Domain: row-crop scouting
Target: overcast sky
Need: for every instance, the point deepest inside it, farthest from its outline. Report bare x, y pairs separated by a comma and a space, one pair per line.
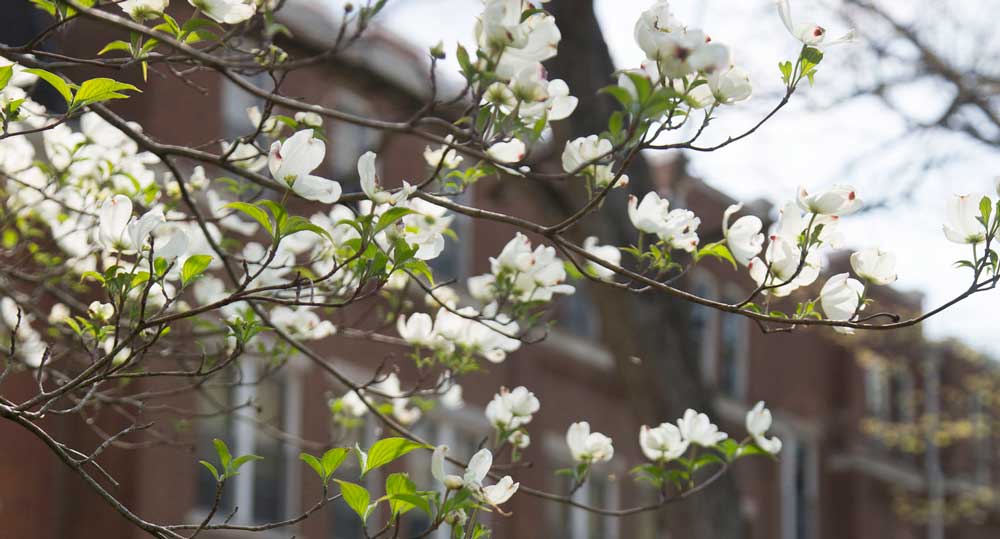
811, 142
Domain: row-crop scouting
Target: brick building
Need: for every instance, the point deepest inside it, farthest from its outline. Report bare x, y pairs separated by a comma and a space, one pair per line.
836, 477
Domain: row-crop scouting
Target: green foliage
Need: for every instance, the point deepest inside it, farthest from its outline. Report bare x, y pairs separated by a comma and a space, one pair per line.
230, 466
387, 450
357, 498
99, 90
401, 493
90, 92
6, 72
193, 267
254, 213
55, 81
717, 250
328, 464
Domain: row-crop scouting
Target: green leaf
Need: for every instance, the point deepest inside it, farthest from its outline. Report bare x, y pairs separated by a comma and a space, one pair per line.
55, 81
729, 448
6, 72
716, 250
277, 210
357, 498
751, 449
315, 464
399, 484
462, 56
704, 460
193, 267
388, 450
786, 71
615, 123
421, 268
390, 216
621, 94
101, 89
93, 275
332, 460
985, 208
254, 212
643, 87
225, 457
415, 500
211, 468
46, 6
240, 461
812, 55
298, 223
117, 45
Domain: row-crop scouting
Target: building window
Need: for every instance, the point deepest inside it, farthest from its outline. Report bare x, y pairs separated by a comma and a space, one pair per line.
875, 392
983, 440
345, 522
798, 490
463, 440
580, 316
901, 396
455, 262
347, 140
565, 522
734, 351
265, 490
704, 327
598, 491
234, 102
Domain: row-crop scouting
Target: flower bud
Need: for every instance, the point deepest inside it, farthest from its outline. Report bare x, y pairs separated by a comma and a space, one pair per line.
437, 51
100, 311
456, 518
453, 482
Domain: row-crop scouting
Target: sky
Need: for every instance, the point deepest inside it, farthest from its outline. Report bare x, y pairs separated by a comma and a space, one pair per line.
816, 141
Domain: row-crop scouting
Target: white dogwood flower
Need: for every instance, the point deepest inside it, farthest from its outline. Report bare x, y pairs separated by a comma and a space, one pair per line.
961, 223
475, 473
758, 422
698, 429
743, 237
417, 330
586, 446
443, 156
730, 85
226, 11
141, 10
509, 151
607, 253
450, 481
840, 298
875, 265
663, 443
370, 184
649, 214
112, 227
512, 409
809, 33
584, 150
293, 162
838, 201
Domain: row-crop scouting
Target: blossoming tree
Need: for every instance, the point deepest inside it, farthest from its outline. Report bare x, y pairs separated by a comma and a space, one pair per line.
134, 243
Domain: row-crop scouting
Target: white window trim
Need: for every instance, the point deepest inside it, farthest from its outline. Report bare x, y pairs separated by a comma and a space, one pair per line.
789, 463
708, 356
742, 348
555, 450
243, 443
